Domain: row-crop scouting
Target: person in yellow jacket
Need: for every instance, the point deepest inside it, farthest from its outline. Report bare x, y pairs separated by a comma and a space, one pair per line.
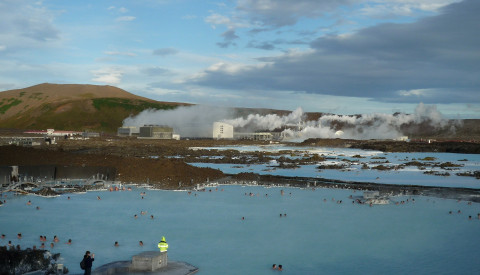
163, 245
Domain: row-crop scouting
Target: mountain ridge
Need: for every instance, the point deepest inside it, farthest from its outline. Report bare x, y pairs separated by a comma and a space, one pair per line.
72, 107
86, 107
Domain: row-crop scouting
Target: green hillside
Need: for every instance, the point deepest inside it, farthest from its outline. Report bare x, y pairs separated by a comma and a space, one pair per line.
91, 109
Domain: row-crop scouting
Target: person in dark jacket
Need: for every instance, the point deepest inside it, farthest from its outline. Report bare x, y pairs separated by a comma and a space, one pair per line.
88, 262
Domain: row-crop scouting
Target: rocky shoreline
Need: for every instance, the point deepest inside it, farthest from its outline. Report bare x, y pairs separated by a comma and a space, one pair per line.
162, 164
387, 190
14, 261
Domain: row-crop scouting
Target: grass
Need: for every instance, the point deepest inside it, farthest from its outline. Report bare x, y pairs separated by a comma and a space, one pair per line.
9, 103
36, 96
106, 116
127, 104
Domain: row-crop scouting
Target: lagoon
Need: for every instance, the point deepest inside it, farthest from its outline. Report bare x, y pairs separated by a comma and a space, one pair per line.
319, 235
320, 231
409, 175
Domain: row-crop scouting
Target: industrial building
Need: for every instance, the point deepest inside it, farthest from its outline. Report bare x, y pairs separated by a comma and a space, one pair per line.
254, 136
222, 130
156, 132
55, 133
128, 131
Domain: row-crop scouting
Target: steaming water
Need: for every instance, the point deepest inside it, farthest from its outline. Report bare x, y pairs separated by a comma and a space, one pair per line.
316, 236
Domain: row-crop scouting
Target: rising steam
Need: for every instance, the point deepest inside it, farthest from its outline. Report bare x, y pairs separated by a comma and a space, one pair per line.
188, 121
197, 121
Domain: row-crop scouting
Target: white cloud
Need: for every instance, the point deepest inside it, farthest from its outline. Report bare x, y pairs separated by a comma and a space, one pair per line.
125, 18
416, 92
3, 47
217, 19
107, 75
189, 17
233, 22
386, 9
120, 53
25, 25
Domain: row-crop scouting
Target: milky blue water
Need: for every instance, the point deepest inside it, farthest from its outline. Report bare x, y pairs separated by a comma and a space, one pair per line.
410, 175
207, 230
318, 235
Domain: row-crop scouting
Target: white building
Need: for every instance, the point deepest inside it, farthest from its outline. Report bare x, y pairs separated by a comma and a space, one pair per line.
55, 133
222, 130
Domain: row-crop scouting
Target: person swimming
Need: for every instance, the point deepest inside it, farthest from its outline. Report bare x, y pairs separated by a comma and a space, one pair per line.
140, 243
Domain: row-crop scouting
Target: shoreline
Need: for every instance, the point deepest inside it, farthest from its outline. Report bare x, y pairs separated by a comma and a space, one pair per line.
251, 179
458, 193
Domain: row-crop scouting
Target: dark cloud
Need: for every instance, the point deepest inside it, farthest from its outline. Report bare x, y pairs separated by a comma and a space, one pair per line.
274, 44
255, 31
156, 71
280, 13
438, 54
165, 51
261, 45
229, 38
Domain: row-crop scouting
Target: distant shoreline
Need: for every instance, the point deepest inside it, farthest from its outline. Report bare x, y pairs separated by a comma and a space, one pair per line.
251, 179
467, 194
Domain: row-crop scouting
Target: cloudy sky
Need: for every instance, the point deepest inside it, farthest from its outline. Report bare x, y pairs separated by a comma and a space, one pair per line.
337, 56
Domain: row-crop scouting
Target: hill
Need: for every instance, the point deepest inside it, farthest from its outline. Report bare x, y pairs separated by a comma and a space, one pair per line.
72, 107
103, 109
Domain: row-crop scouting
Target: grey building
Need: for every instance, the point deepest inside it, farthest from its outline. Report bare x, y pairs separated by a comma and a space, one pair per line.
156, 132
128, 131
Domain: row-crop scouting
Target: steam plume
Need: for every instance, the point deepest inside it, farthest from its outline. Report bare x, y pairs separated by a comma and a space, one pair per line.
188, 121
197, 121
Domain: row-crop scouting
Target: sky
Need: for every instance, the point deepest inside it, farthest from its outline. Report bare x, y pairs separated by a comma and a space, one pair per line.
334, 56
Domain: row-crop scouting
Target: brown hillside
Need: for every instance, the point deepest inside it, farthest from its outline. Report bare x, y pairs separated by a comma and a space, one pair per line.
37, 95
72, 107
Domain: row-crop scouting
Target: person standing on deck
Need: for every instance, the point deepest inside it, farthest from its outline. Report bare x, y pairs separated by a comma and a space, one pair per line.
88, 262
163, 245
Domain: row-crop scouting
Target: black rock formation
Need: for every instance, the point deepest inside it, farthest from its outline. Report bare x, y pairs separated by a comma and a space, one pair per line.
13, 261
